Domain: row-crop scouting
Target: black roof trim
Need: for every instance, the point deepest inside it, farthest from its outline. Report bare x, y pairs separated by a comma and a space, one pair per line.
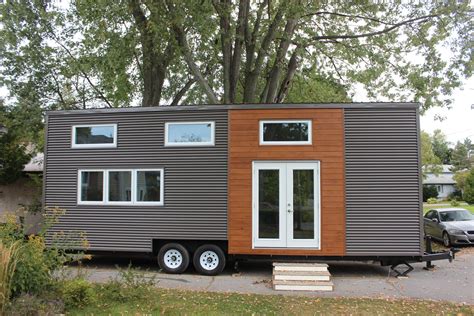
208, 107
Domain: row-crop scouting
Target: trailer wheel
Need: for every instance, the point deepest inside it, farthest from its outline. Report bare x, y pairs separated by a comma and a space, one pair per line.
173, 258
209, 260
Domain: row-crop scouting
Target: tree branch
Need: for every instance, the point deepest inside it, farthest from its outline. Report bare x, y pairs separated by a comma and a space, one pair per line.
386, 30
242, 22
188, 57
290, 73
222, 8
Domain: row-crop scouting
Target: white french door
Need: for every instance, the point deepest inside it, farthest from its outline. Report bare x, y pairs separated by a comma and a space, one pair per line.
285, 204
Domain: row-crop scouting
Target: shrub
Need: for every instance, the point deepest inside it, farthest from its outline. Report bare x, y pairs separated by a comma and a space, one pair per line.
35, 263
429, 191
468, 194
78, 293
455, 202
456, 195
432, 201
32, 305
130, 284
8, 261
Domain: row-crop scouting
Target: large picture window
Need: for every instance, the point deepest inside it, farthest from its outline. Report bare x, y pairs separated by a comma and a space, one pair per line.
189, 134
129, 187
94, 136
288, 132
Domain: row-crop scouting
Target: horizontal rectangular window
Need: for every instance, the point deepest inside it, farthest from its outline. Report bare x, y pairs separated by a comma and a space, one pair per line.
189, 134
288, 132
128, 187
93, 136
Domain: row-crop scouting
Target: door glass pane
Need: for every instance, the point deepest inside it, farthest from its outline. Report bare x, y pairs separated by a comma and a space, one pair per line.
268, 204
303, 204
148, 186
120, 186
92, 185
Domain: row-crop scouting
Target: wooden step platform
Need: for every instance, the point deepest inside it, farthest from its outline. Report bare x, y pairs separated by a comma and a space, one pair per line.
301, 277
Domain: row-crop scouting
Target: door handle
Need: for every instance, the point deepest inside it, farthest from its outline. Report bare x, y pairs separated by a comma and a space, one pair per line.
290, 210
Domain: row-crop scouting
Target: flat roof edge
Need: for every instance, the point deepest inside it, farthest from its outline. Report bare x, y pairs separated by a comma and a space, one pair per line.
208, 107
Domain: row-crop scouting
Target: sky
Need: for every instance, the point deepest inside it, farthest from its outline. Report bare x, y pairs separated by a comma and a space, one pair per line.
458, 122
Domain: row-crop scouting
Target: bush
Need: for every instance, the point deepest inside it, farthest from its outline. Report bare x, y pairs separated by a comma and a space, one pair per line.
432, 201
32, 305
429, 191
78, 293
468, 194
455, 202
456, 195
131, 284
35, 263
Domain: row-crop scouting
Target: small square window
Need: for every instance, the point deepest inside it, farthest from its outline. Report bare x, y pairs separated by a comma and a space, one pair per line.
94, 136
189, 134
290, 132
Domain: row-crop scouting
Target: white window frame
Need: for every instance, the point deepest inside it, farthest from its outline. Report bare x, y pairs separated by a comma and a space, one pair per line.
306, 142
104, 145
79, 187
105, 188
188, 144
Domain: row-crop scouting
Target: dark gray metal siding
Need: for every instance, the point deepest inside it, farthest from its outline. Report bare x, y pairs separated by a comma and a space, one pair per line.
383, 214
195, 180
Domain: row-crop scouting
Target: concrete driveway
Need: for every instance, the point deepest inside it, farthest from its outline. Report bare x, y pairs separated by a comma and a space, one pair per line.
447, 282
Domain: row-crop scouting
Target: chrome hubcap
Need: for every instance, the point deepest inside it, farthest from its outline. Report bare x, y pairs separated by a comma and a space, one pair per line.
173, 259
209, 260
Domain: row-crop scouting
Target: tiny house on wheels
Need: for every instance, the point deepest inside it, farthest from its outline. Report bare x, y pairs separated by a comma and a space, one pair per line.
204, 184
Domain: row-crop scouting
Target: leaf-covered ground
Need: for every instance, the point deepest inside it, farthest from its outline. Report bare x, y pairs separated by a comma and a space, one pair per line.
174, 302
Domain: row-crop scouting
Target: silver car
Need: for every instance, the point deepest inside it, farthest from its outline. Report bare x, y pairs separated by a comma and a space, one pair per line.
452, 226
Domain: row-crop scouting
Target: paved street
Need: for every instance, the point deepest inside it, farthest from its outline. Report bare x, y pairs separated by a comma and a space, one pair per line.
448, 281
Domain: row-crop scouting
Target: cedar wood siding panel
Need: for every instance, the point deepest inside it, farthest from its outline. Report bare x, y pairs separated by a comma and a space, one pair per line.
383, 180
327, 147
195, 180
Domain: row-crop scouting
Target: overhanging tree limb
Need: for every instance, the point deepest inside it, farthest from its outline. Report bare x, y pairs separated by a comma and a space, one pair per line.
369, 34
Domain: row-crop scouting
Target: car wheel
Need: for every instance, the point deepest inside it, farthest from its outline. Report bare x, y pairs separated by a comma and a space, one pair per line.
173, 258
446, 239
209, 260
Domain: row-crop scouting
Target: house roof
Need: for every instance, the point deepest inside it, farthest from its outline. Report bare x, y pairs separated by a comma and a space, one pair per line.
35, 164
210, 107
444, 177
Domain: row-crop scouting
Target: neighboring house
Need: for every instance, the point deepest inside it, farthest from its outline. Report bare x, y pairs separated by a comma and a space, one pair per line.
23, 192
444, 181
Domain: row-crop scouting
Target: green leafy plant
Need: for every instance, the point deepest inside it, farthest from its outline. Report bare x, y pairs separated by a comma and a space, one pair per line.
429, 191
468, 194
78, 292
8, 261
432, 201
454, 202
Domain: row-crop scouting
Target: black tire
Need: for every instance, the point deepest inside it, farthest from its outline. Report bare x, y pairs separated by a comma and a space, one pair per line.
173, 258
446, 239
213, 261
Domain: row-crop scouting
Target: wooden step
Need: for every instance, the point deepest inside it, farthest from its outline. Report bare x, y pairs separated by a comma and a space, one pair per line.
302, 275
306, 267
303, 285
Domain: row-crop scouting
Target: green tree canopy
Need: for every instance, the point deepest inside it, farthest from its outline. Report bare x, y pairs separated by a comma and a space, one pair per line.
460, 156
430, 163
115, 53
441, 146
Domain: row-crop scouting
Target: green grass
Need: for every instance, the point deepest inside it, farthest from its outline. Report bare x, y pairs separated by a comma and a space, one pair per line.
176, 302
427, 207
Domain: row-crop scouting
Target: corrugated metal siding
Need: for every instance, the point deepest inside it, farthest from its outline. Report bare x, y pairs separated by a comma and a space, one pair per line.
195, 178
382, 182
